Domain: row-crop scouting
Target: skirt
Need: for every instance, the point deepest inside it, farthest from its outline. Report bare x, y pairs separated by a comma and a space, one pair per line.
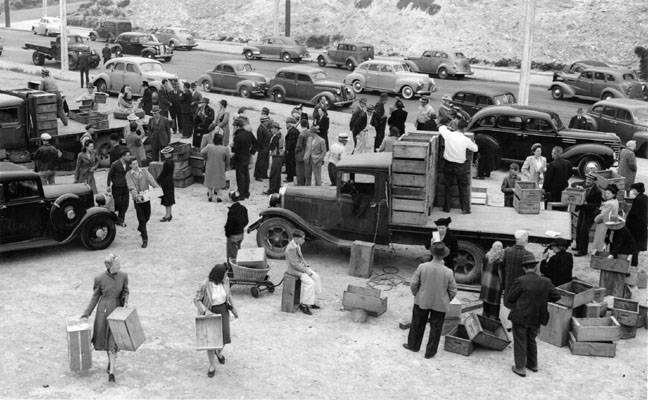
222, 310
168, 195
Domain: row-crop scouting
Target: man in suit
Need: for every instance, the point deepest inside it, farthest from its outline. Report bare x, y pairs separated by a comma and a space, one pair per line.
203, 120
83, 64
528, 297
263, 136
513, 260
243, 148
186, 111
586, 214
578, 121
163, 98
556, 178
147, 98
433, 286
314, 157
159, 132
237, 220
116, 184
379, 120
174, 93
300, 150
358, 121
311, 284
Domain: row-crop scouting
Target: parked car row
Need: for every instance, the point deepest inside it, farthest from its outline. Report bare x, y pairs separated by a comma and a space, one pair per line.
595, 80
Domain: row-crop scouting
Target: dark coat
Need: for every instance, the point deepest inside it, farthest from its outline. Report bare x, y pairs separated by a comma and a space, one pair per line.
528, 297
324, 123
513, 267
204, 121
117, 175
109, 292
291, 140
196, 97
556, 178
184, 102
83, 62
116, 152
163, 100
244, 146
450, 240
593, 200
45, 158
358, 121
397, 119
147, 100
263, 136
106, 53
165, 180
637, 221
159, 132
237, 219
378, 118
578, 123
558, 268
621, 241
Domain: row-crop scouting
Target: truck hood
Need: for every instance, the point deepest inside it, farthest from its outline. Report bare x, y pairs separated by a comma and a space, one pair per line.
589, 135
52, 192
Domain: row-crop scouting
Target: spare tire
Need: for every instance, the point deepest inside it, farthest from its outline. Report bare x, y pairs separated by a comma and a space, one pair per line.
66, 212
469, 262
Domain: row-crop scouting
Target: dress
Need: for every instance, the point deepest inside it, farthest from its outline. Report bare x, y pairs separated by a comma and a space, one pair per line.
84, 172
533, 169
124, 105
203, 300
109, 292
609, 208
165, 180
217, 158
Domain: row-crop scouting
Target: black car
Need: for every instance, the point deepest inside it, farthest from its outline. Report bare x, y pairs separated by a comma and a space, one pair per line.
513, 129
141, 44
109, 29
471, 101
33, 215
304, 84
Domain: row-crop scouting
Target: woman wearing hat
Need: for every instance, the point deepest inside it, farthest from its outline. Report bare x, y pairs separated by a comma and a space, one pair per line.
557, 264
217, 158
222, 120
622, 244
165, 180
637, 221
134, 135
86, 165
535, 165
609, 209
448, 238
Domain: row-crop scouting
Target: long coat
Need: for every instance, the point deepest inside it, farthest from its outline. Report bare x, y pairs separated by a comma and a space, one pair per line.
534, 171
217, 159
637, 221
627, 167
528, 297
159, 134
165, 180
557, 178
134, 143
109, 292
558, 268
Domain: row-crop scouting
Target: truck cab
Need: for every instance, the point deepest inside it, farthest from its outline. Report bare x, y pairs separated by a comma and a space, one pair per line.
12, 122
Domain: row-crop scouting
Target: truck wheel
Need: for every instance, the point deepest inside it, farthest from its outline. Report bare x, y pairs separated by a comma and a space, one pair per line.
148, 55
273, 235
244, 91
442, 73
589, 164
321, 61
278, 96
101, 86
38, 58
285, 57
469, 262
98, 233
557, 93
350, 65
407, 92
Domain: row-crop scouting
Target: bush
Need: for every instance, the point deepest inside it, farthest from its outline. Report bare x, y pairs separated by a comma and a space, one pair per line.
362, 3
123, 3
317, 41
104, 3
425, 5
337, 38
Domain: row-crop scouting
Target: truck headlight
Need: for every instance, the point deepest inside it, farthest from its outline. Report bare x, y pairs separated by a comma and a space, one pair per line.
275, 200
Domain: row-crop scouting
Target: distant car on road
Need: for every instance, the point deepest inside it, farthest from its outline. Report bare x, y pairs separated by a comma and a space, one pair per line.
47, 26
627, 118
234, 76
131, 71
442, 63
473, 100
390, 76
278, 47
348, 54
33, 215
596, 83
309, 85
176, 37
579, 66
141, 44
109, 29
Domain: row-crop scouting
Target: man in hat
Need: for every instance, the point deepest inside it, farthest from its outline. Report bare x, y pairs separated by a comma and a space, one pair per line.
159, 132
449, 239
163, 99
196, 97
513, 257
106, 54
147, 98
379, 120
45, 159
557, 263
243, 147
311, 284
433, 286
291, 142
446, 112
637, 219
425, 116
314, 157
358, 121
185, 111
203, 120
83, 63
263, 136
321, 103
556, 178
323, 125
578, 121
300, 149
237, 220
49, 85
628, 163
528, 297
456, 144
621, 241
277, 155
335, 154
117, 186
586, 214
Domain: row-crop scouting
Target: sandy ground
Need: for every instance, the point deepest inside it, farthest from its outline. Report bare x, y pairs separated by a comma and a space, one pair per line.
273, 354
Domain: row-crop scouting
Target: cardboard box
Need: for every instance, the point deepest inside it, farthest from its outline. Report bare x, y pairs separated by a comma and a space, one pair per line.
79, 335
126, 328
254, 257
605, 329
209, 332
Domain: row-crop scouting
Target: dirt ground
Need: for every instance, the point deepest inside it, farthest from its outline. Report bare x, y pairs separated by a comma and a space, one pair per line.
273, 354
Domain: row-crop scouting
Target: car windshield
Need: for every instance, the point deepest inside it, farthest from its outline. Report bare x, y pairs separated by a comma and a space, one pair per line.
556, 121
459, 55
183, 31
503, 99
641, 114
243, 68
151, 67
318, 76
401, 68
76, 39
147, 38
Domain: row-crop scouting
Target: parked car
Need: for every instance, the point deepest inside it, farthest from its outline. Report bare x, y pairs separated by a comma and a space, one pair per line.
131, 71
513, 129
471, 101
579, 66
279, 47
33, 215
109, 29
47, 26
309, 85
627, 118
234, 76
176, 37
596, 83
77, 45
347, 54
390, 77
141, 44
441, 63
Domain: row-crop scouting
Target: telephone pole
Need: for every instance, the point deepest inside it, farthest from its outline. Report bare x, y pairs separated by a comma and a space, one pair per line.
525, 67
7, 18
44, 8
275, 20
287, 18
65, 65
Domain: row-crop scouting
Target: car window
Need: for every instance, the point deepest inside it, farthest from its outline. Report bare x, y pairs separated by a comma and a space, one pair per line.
509, 121
503, 99
386, 68
460, 55
119, 66
599, 76
364, 184
609, 111
130, 68
219, 67
8, 116
624, 115
303, 78
362, 67
587, 75
151, 67
244, 67
459, 96
401, 68
443, 55
19, 190
367, 48
427, 54
340, 47
487, 121
538, 125
374, 67
609, 78
352, 48
228, 69
484, 101
469, 98
289, 75
629, 77
597, 109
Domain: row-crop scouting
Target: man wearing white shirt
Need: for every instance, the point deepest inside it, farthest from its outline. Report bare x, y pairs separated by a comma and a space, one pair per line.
454, 154
337, 150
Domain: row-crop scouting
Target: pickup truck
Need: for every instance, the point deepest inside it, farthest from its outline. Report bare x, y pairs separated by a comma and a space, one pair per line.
391, 200
77, 44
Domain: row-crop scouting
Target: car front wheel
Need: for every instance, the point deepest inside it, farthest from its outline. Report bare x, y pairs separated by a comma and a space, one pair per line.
101, 86
607, 96
205, 85
443, 73
557, 92
321, 61
286, 57
278, 96
273, 235
248, 55
357, 86
350, 65
98, 233
407, 92
244, 91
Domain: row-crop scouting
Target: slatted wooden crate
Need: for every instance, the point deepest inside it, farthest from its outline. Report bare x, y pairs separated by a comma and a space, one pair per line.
626, 311
181, 170
479, 195
573, 196
126, 328
209, 332
602, 262
526, 207
457, 341
364, 298
527, 191
608, 177
486, 332
575, 293
596, 329
557, 329
592, 349
79, 334
183, 183
181, 151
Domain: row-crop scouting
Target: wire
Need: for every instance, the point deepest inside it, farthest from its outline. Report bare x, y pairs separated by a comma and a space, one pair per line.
387, 280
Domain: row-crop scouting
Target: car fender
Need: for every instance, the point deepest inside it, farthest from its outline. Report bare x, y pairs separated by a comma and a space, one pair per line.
277, 86
205, 77
355, 77
148, 50
400, 82
245, 82
576, 152
566, 88
329, 95
414, 66
253, 48
292, 52
353, 59
91, 213
641, 137
593, 122
103, 76
616, 92
327, 58
445, 65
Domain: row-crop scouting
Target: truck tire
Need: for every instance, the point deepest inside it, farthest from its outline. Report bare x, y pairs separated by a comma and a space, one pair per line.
38, 59
273, 235
469, 262
98, 232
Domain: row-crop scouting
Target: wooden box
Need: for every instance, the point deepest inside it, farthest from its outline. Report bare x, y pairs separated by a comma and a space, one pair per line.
126, 328
409, 149
557, 329
595, 309
628, 332
364, 298
181, 151
613, 282
449, 325
209, 332
457, 341
291, 293
573, 196
527, 191
181, 170
408, 218
626, 311
479, 195
362, 258
526, 207
101, 98
455, 309
486, 332
604, 263
605, 329
79, 335
599, 294
46, 108
609, 177
575, 293
254, 257
182, 183
592, 349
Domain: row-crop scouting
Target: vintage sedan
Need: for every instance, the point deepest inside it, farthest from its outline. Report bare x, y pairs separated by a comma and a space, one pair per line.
441, 63
176, 37
308, 85
141, 44
47, 26
347, 54
627, 118
131, 71
579, 66
596, 83
278, 47
473, 100
234, 76
390, 77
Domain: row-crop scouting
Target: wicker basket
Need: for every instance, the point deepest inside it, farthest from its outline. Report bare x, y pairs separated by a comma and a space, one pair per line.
249, 274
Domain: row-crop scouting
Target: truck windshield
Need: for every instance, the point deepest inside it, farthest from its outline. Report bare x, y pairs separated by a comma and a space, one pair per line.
151, 67
76, 39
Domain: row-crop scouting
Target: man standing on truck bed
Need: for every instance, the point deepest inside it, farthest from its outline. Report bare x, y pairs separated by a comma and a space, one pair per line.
45, 159
84, 68
49, 85
454, 155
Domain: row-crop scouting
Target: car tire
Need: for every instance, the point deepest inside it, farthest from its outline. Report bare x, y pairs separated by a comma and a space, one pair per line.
244, 92
607, 96
92, 36
321, 61
557, 93
442, 73
65, 214
101, 86
148, 55
469, 263
278, 96
172, 45
273, 235
98, 232
38, 59
357, 86
349, 65
407, 92
248, 55
285, 57
167, 59
589, 163
206, 86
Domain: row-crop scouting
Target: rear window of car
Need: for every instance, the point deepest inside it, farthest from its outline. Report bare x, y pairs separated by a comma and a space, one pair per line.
469, 98
24, 189
509, 121
401, 68
303, 78
286, 75
374, 67
538, 125
459, 55
487, 121
366, 48
458, 97
228, 69
118, 66
597, 109
629, 77
624, 115
504, 99
130, 68
244, 67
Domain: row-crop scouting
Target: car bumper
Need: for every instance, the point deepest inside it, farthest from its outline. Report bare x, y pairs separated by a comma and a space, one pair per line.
189, 45
343, 103
463, 73
258, 91
424, 92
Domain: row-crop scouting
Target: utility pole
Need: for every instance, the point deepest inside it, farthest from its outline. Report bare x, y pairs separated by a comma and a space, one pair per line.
525, 67
44, 8
287, 18
275, 20
7, 19
64, 36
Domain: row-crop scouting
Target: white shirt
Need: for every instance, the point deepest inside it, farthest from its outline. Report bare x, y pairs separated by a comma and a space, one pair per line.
335, 153
456, 145
219, 295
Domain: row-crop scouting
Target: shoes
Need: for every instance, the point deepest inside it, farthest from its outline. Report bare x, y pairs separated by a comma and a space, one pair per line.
532, 369
221, 359
209, 199
305, 310
111, 378
429, 355
165, 219
466, 212
144, 244
406, 347
580, 254
315, 307
518, 373
219, 200
288, 180
211, 373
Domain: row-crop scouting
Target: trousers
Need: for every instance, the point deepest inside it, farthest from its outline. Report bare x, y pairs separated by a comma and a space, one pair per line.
332, 172
233, 246
290, 166
311, 287
242, 179
120, 194
187, 125
420, 317
275, 174
143, 212
380, 135
583, 226
261, 165
456, 172
313, 169
299, 171
525, 349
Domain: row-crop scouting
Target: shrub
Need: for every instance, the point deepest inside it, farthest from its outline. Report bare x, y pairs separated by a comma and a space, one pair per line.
123, 3
362, 3
338, 37
425, 5
105, 3
317, 41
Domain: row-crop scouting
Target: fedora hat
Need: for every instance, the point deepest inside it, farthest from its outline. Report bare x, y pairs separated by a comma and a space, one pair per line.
528, 259
560, 242
132, 117
439, 249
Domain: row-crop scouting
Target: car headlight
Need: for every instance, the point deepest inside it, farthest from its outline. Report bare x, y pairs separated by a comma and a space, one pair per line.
338, 92
92, 52
254, 84
275, 200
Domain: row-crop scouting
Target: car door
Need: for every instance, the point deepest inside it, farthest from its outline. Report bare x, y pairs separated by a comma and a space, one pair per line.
304, 87
336, 55
133, 77
387, 78
511, 138
22, 210
289, 81
217, 77
228, 78
437, 58
272, 47
425, 62
602, 120
598, 84
625, 127
373, 73
538, 130
583, 84
117, 75
359, 211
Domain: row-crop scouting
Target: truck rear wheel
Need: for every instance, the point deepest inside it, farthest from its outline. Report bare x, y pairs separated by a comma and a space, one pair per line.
469, 262
273, 235
38, 58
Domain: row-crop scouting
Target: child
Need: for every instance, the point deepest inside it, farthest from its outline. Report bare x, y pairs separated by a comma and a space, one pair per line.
508, 184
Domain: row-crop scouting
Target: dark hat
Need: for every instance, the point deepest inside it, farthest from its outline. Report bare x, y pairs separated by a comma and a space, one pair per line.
528, 259
560, 242
265, 110
240, 121
145, 83
193, 85
639, 187
443, 221
613, 189
439, 249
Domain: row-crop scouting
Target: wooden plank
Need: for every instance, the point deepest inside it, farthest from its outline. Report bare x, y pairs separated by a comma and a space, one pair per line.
415, 150
596, 329
209, 332
373, 305
126, 328
362, 259
557, 329
409, 166
613, 282
45, 108
408, 180
408, 218
604, 263
592, 349
526, 207
608, 177
290, 295
575, 293
408, 205
408, 192
457, 341
628, 332
471, 306
599, 293
79, 334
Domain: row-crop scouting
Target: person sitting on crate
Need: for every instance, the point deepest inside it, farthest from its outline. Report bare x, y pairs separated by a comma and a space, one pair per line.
88, 98
49, 85
557, 263
508, 184
311, 284
214, 297
621, 243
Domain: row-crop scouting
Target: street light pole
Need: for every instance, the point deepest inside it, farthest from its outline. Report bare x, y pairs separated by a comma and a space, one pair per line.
64, 36
275, 23
287, 18
7, 18
44, 8
525, 67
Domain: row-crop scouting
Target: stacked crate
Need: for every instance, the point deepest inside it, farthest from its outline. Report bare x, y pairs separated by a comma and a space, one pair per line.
627, 313
182, 171
608, 177
613, 272
527, 197
98, 120
197, 163
594, 337
42, 106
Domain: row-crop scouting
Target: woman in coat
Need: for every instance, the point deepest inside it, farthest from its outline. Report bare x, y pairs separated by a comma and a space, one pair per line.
109, 292
609, 209
622, 244
214, 297
397, 117
637, 221
165, 180
491, 289
535, 165
223, 119
86, 165
217, 158
125, 101
134, 135
449, 239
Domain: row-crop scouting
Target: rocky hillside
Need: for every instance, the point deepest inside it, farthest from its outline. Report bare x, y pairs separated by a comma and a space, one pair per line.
483, 29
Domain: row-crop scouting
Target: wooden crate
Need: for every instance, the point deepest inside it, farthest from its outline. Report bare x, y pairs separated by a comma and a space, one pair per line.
408, 218
408, 180
46, 108
409, 149
613, 282
602, 262
405, 192
479, 195
197, 161
486, 332
126, 328
362, 258
454, 310
46, 116
626, 311
628, 332
408, 166
181, 151
573, 196
410, 205
599, 293
643, 316
254, 257
526, 207
557, 329
48, 125
197, 172
527, 191
209, 332
182, 183
79, 116
364, 298
181, 170
457, 341
449, 325
595, 309
101, 98
575, 293
609, 177
291, 293
605, 329
592, 349
79, 335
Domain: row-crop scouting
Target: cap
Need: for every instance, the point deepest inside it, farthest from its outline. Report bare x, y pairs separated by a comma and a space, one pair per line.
167, 150
440, 249
46, 136
45, 72
528, 259
264, 117
265, 110
132, 117
343, 135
